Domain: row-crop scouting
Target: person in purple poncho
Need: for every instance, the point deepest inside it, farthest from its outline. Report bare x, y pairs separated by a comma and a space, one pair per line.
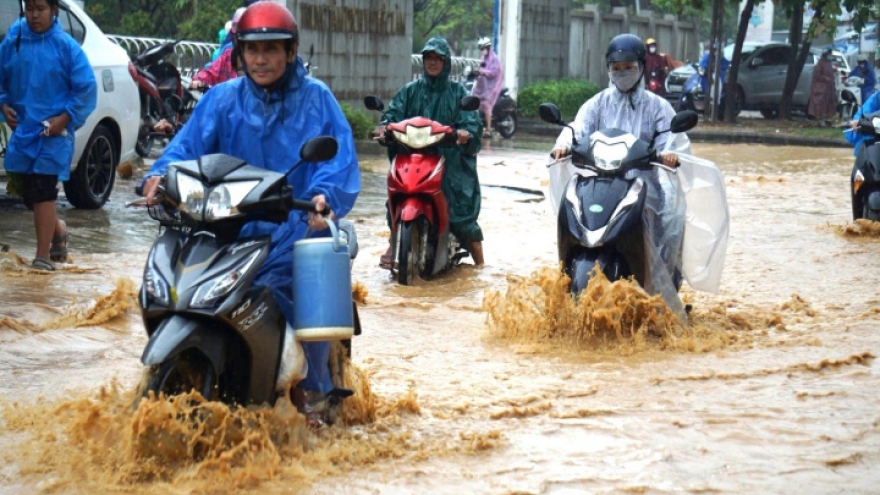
489, 83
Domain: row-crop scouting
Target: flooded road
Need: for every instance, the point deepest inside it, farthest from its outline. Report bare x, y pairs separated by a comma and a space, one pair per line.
771, 389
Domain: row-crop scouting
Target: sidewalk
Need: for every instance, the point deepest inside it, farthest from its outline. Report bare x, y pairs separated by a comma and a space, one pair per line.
743, 132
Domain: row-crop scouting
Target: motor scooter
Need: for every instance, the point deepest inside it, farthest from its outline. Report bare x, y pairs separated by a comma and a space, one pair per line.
504, 111
422, 245
865, 178
599, 209
654, 83
163, 94
850, 97
210, 328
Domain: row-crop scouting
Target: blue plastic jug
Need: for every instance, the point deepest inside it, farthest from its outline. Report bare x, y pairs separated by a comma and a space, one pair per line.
322, 303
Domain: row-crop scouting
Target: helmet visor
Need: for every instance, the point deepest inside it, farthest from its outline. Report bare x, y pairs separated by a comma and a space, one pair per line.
622, 56
265, 34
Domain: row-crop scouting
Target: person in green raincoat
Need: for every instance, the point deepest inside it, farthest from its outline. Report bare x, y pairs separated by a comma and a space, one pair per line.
435, 97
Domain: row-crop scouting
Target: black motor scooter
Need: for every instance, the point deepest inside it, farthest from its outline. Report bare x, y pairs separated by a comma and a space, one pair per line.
865, 179
210, 329
600, 216
504, 111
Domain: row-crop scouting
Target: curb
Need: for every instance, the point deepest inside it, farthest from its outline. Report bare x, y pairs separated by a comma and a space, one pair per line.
537, 128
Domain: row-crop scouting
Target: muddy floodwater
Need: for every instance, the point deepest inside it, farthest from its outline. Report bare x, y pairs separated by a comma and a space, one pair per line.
484, 380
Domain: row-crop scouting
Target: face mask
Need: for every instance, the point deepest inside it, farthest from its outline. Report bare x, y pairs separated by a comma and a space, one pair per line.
625, 80
653, 49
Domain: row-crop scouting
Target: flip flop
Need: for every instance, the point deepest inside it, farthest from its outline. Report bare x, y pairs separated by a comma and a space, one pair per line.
58, 251
43, 264
386, 263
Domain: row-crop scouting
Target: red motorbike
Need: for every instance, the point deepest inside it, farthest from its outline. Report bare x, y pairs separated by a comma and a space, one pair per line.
422, 244
655, 83
163, 94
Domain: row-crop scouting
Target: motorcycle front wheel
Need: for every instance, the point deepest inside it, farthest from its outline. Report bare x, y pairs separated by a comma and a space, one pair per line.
181, 374
144, 141
412, 238
507, 125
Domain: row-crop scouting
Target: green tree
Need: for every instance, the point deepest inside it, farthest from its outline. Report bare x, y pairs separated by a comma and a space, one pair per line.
459, 22
162, 19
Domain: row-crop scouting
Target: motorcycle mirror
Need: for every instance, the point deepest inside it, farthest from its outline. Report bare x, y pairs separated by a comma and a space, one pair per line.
319, 149
684, 121
550, 113
469, 103
373, 102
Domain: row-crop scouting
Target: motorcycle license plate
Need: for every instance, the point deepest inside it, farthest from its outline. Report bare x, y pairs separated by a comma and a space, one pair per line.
675, 88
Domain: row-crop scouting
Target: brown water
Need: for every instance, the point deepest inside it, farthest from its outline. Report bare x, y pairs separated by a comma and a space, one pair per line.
485, 380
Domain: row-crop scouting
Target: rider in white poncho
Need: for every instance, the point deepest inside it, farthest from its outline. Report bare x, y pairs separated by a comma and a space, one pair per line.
627, 106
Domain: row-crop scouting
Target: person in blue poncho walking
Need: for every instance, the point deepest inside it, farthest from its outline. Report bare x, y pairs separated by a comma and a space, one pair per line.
264, 119
852, 135
47, 91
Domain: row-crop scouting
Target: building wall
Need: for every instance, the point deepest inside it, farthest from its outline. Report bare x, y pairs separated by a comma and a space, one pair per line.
360, 46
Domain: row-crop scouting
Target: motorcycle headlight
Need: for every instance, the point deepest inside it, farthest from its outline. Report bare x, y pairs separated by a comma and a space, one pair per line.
212, 290
609, 156
418, 137
155, 285
224, 199
192, 195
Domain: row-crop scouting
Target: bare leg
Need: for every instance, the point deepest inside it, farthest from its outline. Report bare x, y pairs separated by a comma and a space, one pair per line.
476, 250
46, 224
488, 118
387, 260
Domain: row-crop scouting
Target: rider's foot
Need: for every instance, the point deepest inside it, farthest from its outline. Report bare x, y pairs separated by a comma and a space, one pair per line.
386, 261
476, 250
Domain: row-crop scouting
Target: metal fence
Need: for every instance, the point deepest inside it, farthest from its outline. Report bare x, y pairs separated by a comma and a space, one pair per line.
189, 56
458, 67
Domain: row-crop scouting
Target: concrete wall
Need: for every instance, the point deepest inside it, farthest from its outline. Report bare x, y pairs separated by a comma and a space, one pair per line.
550, 39
361, 46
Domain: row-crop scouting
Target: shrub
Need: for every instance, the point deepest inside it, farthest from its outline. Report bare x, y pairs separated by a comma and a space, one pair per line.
567, 94
361, 123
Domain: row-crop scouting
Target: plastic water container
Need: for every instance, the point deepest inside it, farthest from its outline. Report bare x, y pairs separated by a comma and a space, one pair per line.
322, 304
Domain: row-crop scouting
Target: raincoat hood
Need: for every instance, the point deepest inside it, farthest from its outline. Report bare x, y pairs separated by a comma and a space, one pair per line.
440, 47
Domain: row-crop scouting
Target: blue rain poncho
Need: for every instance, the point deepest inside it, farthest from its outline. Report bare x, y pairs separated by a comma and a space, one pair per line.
854, 137
267, 130
47, 75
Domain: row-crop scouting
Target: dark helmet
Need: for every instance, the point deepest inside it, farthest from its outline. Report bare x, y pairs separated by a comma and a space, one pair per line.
266, 21
625, 48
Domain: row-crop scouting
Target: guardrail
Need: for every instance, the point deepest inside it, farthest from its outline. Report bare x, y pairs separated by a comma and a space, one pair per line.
455, 74
189, 56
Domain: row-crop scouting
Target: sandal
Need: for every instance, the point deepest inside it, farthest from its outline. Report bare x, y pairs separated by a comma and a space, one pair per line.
487, 134
386, 262
58, 251
43, 264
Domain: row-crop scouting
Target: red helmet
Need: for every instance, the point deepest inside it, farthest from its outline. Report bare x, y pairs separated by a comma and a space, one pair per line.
266, 21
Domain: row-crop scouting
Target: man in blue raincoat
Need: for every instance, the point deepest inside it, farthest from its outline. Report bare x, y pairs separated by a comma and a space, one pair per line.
852, 135
47, 91
265, 119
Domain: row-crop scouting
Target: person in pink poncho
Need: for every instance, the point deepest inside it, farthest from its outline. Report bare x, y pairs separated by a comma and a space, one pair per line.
489, 83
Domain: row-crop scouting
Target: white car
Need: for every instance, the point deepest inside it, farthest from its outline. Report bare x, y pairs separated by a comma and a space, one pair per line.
109, 134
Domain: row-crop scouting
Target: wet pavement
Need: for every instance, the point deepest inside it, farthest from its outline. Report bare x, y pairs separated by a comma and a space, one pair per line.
771, 389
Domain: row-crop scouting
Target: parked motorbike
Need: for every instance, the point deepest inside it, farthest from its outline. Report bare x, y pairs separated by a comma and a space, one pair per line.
692, 95
865, 179
421, 242
210, 328
600, 209
163, 94
850, 97
504, 111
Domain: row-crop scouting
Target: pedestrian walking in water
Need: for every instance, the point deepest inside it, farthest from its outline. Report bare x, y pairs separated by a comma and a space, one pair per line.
823, 91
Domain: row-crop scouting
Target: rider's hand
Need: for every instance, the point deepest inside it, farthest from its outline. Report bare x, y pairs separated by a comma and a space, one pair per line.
316, 220
379, 133
151, 187
854, 124
669, 159
196, 85
11, 116
57, 124
559, 153
462, 136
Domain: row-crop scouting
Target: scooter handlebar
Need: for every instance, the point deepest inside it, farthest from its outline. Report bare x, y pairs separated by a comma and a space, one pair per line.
298, 204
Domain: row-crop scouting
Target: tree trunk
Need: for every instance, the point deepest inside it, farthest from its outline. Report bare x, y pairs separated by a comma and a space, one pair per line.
794, 37
730, 100
714, 48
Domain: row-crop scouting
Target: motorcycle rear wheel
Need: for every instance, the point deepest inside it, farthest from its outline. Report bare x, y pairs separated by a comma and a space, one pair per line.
144, 142
181, 374
412, 238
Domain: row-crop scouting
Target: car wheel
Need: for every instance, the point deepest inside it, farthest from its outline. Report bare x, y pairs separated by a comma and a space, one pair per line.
92, 181
771, 114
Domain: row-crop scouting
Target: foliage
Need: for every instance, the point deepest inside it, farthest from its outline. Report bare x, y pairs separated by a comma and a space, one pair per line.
163, 19
459, 22
567, 94
361, 123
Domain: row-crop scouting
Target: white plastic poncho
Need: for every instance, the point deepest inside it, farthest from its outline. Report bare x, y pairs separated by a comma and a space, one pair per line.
640, 113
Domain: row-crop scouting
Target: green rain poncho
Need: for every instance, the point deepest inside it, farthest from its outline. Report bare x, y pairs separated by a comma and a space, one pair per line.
437, 98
